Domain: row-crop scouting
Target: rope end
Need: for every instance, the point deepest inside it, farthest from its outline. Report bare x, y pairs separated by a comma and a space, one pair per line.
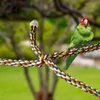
34, 23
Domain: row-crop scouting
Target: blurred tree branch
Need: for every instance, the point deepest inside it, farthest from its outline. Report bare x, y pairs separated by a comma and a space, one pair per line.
59, 9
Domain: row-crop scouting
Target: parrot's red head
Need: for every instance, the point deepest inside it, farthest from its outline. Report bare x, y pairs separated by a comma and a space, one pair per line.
84, 21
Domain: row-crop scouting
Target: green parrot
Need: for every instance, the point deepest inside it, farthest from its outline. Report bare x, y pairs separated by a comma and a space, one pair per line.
82, 36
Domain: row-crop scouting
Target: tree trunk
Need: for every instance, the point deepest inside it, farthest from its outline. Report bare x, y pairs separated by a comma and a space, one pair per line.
40, 95
20, 55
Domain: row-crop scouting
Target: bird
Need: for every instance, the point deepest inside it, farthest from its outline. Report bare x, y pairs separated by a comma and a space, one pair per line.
82, 36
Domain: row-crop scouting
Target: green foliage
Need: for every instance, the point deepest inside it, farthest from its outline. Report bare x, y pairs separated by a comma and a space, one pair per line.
2, 26
53, 31
5, 52
28, 52
1, 40
62, 22
52, 20
19, 30
80, 4
29, 13
68, 38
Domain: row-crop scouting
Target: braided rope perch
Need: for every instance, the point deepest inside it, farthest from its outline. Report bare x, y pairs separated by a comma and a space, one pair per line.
47, 59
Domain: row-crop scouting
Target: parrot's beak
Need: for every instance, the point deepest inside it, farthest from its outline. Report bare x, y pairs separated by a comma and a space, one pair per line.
86, 22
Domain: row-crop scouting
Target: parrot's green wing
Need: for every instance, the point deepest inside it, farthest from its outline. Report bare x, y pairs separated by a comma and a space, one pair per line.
70, 60
73, 43
81, 36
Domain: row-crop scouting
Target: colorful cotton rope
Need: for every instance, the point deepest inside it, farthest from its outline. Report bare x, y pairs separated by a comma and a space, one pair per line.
47, 59
74, 51
21, 63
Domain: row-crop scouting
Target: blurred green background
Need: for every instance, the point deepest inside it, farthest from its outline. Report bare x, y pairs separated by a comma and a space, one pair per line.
13, 84
57, 21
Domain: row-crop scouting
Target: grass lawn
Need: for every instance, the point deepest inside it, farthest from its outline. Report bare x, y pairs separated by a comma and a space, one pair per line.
13, 85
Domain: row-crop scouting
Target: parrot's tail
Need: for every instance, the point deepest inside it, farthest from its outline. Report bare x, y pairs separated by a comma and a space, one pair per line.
70, 60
